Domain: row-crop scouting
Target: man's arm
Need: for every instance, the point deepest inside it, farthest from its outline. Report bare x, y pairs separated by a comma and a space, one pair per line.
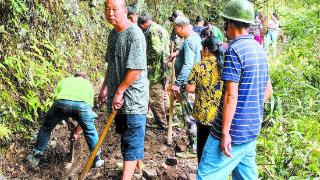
228, 111
173, 55
268, 92
77, 132
189, 55
192, 79
131, 76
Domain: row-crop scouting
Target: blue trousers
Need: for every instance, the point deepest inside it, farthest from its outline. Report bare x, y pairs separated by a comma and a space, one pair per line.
62, 110
215, 165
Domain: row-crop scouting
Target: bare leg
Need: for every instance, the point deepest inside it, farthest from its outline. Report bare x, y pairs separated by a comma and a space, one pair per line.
128, 169
139, 166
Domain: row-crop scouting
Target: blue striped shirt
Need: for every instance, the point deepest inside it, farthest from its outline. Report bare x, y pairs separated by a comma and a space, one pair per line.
246, 64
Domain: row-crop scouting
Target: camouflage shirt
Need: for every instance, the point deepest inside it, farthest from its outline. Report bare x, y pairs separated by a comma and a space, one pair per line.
158, 43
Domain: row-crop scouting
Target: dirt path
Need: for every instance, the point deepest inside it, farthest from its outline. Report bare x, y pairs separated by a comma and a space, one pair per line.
14, 165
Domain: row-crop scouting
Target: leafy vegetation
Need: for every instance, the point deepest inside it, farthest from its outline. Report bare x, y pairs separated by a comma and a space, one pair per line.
289, 146
43, 41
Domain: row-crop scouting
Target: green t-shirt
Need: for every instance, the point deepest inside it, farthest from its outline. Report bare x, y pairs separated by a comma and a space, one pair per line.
75, 89
217, 33
127, 50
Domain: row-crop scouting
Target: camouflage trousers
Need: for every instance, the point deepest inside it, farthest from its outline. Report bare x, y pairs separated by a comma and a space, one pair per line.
187, 102
159, 102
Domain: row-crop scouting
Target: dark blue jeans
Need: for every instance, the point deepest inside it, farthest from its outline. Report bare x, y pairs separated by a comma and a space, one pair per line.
62, 110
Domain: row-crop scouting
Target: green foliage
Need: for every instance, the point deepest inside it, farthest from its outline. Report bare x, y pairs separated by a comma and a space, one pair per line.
162, 9
42, 42
290, 142
4, 132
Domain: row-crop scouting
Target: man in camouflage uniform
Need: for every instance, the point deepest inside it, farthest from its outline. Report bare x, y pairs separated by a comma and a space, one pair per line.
157, 52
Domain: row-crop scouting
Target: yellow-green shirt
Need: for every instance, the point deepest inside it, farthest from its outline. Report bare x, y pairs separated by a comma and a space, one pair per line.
75, 89
208, 93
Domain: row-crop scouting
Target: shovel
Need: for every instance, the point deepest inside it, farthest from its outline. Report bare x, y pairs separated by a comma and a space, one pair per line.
96, 149
171, 96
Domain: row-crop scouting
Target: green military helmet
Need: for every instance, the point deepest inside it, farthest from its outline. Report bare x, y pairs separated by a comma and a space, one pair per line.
239, 10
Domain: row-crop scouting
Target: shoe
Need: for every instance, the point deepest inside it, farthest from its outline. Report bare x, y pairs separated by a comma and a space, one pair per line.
98, 163
34, 158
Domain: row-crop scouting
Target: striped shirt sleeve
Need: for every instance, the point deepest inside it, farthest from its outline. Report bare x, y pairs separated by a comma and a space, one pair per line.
231, 67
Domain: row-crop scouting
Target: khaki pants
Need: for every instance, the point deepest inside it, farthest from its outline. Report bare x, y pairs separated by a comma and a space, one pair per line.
159, 102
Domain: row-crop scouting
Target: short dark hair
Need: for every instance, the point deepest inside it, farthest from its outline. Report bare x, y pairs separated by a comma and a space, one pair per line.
275, 15
215, 47
143, 18
206, 23
212, 43
132, 9
206, 32
199, 19
238, 24
81, 74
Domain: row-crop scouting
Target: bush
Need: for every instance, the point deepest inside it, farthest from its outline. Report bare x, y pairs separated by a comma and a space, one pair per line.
42, 42
290, 142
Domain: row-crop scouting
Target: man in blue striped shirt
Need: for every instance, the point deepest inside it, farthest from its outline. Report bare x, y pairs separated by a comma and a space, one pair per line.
232, 143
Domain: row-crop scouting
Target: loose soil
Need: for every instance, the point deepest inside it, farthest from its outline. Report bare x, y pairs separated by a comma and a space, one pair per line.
52, 166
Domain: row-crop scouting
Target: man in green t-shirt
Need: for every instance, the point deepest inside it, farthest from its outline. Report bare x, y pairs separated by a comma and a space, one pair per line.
73, 98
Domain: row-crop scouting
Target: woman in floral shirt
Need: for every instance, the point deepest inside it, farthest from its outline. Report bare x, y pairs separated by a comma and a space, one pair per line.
205, 81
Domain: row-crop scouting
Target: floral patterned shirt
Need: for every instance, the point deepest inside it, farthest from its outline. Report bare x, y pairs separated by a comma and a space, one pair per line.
205, 76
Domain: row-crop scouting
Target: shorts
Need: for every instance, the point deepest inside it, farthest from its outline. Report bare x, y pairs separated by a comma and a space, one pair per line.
132, 128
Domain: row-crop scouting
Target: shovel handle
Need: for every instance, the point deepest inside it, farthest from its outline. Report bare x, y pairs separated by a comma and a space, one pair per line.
171, 96
96, 148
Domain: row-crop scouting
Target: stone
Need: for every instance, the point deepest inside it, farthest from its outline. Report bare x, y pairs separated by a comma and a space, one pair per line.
181, 147
2, 177
171, 161
150, 174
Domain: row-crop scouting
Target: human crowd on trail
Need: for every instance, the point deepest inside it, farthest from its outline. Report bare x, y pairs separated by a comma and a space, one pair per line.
221, 83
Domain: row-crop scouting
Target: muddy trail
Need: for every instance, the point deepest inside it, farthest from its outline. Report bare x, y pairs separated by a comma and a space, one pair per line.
160, 160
